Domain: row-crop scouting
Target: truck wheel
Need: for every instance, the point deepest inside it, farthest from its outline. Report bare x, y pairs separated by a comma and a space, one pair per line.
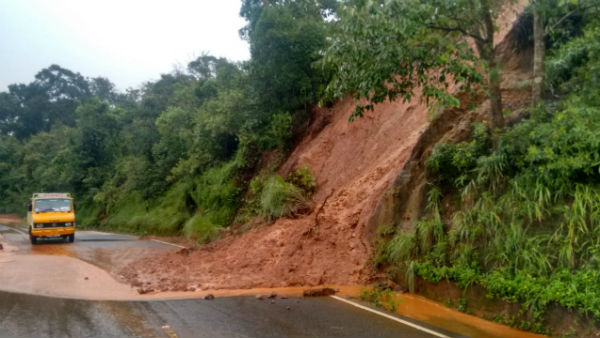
33, 239
71, 238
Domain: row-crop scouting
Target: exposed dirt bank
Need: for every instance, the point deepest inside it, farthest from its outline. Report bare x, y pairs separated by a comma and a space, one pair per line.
353, 164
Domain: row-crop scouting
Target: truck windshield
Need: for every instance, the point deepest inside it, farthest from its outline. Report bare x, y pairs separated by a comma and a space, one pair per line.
57, 204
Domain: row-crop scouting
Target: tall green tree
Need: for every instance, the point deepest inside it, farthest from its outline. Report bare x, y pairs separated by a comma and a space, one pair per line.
94, 145
548, 16
389, 49
285, 38
51, 99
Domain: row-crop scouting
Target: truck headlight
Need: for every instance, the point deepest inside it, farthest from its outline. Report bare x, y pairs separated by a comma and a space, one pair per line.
38, 225
69, 224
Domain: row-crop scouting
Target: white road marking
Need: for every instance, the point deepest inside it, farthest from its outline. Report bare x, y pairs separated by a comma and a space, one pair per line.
407, 323
167, 243
19, 231
94, 232
169, 330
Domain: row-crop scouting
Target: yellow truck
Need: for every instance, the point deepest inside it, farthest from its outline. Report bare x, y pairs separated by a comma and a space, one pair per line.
51, 215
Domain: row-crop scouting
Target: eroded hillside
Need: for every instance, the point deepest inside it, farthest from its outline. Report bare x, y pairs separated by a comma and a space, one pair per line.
353, 164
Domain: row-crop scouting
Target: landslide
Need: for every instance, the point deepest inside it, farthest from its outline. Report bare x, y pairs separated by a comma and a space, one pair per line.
353, 164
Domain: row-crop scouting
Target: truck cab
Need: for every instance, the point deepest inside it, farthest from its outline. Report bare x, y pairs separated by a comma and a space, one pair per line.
51, 215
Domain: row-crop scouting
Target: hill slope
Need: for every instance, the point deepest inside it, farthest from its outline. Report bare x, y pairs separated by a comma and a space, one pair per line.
353, 164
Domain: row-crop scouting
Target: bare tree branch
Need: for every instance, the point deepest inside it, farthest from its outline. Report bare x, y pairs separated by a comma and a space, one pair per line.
566, 16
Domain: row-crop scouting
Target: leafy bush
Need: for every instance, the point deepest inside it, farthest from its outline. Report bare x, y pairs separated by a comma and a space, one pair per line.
165, 216
383, 298
303, 179
575, 66
278, 134
201, 229
217, 194
273, 197
279, 198
449, 164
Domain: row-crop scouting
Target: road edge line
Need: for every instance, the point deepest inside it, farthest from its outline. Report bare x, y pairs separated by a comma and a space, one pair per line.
407, 323
97, 232
167, 243
17, 230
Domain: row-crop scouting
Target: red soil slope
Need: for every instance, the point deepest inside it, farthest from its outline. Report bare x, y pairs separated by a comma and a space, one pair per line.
353, 163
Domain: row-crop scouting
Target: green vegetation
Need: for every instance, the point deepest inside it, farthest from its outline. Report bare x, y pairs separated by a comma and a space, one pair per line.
273, 197
388, 50
175, 156
383, 298
520, 218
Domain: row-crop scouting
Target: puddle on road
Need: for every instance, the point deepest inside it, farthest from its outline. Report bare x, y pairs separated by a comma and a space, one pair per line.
52, 249
59, 276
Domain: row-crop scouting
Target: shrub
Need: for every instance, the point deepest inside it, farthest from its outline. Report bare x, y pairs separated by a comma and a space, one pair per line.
216, 194
303, 179
201, 229
383, 298
451, 164
279, 198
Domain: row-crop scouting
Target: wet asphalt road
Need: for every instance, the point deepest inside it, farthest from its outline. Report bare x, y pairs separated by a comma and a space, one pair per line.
37, 316
23, 315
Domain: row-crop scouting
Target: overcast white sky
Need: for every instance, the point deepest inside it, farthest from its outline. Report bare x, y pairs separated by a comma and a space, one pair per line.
127, 41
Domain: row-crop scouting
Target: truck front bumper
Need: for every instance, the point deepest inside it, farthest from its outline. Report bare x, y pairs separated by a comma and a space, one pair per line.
52, 232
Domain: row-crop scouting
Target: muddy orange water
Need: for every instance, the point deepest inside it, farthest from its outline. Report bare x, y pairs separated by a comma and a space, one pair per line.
425, 310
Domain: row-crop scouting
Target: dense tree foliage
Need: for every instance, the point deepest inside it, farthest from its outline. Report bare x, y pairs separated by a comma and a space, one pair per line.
389, 49
178, 152
552, 17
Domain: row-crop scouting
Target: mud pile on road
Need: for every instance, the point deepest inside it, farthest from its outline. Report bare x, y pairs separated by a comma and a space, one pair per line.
353, 164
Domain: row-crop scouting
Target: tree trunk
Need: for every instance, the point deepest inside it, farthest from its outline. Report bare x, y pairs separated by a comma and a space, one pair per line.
539, 51
496, 115
488, 52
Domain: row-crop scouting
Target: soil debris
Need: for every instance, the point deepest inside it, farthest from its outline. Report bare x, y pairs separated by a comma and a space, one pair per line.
184, 252
320, 292
353, 164
390, 285
143, 291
